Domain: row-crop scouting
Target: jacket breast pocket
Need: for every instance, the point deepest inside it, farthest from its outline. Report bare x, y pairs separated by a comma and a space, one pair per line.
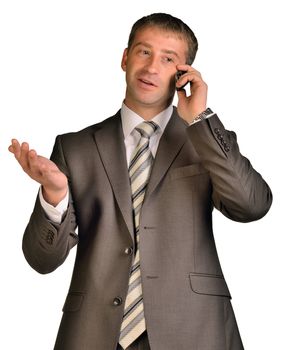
209, 285
73, 302
187, 171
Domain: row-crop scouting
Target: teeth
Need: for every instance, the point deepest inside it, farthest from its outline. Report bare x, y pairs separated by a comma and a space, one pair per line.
146, 82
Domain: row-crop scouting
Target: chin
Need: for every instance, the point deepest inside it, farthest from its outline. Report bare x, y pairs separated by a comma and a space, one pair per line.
150, 102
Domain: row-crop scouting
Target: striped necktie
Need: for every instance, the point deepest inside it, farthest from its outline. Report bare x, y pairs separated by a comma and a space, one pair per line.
133, 324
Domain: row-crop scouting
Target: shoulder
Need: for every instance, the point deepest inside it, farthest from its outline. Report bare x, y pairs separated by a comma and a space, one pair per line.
88, 132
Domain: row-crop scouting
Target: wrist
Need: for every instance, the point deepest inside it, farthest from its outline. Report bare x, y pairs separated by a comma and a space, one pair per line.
201, 116
53, 197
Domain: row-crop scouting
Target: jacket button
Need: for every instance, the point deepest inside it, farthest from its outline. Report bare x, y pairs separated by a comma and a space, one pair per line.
227, 148
217, 130
117, 301
129, 251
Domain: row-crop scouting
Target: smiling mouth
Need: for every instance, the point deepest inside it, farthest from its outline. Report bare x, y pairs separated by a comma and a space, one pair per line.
147, 82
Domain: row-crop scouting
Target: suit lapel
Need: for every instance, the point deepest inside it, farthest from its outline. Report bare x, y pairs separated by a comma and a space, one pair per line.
110, 142
170, 143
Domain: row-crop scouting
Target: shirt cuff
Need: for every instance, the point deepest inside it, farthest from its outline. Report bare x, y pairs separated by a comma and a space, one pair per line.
204, 115
54, 213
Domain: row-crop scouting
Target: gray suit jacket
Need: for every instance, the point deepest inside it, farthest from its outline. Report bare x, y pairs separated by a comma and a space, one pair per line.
186, 299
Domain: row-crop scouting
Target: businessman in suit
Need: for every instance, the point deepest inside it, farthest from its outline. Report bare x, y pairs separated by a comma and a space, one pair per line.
141, 186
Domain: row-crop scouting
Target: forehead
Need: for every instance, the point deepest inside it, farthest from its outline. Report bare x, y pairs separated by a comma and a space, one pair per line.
159, 38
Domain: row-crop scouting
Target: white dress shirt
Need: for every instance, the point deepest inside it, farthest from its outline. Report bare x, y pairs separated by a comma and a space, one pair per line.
131, 138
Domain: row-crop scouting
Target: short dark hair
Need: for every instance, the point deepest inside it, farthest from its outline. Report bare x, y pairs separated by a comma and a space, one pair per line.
168, 23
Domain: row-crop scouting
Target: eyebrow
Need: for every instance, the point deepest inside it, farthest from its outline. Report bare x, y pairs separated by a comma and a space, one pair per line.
169, 52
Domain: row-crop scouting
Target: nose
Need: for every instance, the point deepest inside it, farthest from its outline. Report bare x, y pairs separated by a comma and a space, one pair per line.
152, 65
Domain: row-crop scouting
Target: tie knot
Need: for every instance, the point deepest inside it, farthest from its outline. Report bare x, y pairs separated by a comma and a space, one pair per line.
147, 129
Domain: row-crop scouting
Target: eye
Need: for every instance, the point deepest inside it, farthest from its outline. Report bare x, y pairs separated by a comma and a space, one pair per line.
145, 52
168, 59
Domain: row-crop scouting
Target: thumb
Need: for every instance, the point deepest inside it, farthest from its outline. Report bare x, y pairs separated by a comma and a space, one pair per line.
181, 96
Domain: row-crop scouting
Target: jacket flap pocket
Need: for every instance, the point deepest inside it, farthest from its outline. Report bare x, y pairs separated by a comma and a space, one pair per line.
189, 170
73, 301
209, 285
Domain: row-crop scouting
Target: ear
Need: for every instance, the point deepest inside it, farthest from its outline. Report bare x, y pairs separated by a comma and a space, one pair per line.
124, 60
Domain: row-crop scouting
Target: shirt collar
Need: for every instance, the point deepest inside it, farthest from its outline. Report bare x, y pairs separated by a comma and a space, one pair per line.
131, 119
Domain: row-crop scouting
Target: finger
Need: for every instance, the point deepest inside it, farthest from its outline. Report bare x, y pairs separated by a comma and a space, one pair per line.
187, 68
182, 81
189, 77
184, 67
181, 96
194, 80
34, 164
23, 155
14, 148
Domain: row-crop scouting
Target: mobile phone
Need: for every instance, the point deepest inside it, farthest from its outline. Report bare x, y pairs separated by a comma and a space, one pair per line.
177, 76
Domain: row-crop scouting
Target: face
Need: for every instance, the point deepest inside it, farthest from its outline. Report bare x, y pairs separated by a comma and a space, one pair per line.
150, 67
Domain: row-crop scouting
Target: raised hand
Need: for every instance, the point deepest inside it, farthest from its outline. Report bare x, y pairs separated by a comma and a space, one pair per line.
42, 170
192, 105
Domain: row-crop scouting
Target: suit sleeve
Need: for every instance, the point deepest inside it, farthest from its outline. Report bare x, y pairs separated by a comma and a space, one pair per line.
46, 244
239, 191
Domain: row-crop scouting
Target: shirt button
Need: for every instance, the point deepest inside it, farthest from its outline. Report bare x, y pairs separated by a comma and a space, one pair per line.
117, 301
129, 251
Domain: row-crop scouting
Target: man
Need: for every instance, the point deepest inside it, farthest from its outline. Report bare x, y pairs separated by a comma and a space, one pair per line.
141, 186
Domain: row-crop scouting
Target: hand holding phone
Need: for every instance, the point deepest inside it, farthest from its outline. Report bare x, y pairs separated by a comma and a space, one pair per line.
177, 76
193, 102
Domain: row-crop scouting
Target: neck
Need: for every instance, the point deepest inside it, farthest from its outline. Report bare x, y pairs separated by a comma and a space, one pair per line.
146, 112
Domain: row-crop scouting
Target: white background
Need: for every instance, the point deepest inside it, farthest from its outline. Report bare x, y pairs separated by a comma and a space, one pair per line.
60, 71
